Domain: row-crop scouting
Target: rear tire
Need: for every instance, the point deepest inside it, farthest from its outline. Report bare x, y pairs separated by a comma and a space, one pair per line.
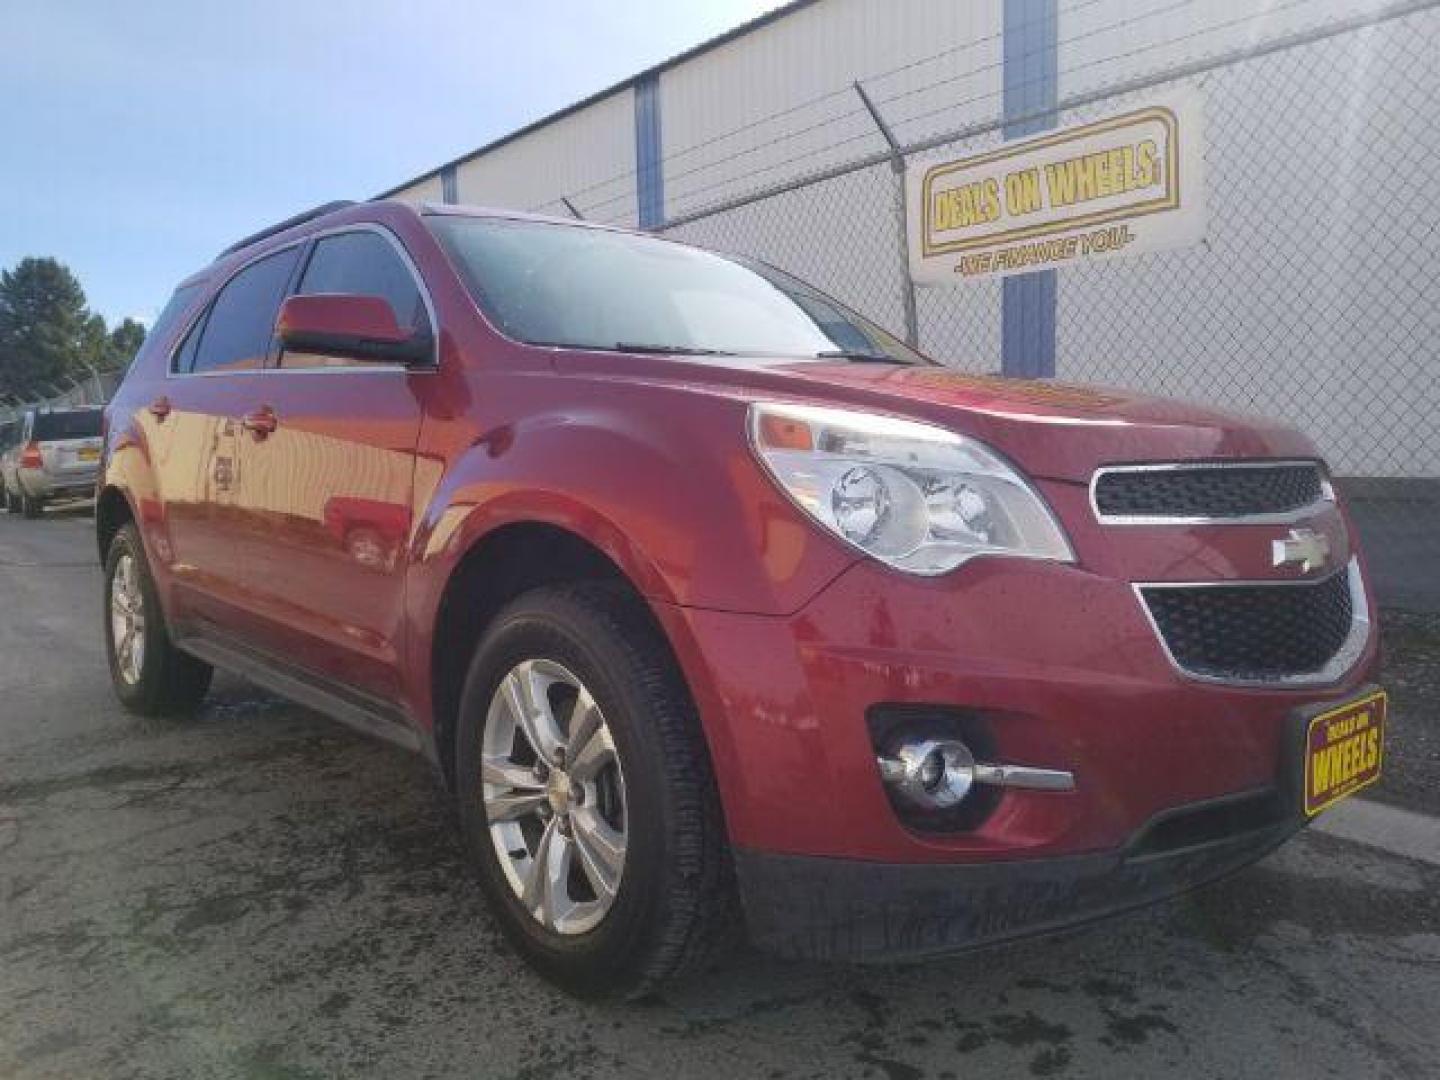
671, 903
7, 498
30, 507
150, 675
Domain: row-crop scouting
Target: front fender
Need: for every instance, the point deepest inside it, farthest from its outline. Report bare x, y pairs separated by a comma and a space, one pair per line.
660, 479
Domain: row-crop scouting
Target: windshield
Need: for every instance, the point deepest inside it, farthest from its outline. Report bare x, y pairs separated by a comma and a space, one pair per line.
555, 284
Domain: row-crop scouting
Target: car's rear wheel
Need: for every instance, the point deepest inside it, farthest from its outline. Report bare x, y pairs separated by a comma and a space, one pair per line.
30, 506
7, 499
150, 675
587, 797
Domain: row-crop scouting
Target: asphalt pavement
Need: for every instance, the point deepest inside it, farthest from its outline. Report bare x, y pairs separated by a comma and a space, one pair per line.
258, 893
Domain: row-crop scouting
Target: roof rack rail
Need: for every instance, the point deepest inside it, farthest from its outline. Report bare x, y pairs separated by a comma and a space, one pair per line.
288, 223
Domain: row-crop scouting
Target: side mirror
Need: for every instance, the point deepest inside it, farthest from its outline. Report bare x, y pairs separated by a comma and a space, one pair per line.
356, 327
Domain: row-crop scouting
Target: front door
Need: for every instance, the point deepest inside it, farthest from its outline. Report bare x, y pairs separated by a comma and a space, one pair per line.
325, 471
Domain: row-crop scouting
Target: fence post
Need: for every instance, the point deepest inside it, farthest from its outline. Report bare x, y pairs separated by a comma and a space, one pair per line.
897, 166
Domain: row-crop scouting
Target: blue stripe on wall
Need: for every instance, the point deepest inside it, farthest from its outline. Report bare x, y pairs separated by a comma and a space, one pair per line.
1027, 341
448, 193
649, 172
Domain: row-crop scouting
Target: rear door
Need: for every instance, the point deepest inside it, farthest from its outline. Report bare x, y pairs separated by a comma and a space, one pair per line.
192, 434
325, 475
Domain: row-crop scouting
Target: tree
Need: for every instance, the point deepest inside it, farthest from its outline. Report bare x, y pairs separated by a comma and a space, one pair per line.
46, 331
125, 342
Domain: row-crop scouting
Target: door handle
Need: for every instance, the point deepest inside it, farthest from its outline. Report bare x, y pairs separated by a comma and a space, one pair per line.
160, 408
261, 422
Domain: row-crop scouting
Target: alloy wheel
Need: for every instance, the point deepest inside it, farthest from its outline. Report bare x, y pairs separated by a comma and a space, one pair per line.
127, 619
554, 796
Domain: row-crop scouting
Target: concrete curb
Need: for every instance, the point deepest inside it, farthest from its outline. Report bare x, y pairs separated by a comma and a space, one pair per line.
1396, 831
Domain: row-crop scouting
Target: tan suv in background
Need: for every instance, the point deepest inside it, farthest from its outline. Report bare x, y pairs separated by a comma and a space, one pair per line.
56, 456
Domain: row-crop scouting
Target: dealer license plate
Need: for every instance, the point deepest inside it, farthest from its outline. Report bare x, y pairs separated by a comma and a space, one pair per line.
89, 453
1344, 747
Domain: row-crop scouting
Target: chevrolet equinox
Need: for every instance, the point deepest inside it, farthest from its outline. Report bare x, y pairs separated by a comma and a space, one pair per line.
718, 608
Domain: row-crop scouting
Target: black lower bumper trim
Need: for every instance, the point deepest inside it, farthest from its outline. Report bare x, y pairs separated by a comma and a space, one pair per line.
841, 909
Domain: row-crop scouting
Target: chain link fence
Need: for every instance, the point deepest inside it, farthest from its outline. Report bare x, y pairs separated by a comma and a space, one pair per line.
93, 389
1314, 298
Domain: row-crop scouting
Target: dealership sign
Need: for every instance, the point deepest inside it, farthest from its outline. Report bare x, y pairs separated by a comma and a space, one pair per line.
1124, 185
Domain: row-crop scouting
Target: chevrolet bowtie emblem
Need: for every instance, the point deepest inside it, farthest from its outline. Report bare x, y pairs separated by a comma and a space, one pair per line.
1304, 548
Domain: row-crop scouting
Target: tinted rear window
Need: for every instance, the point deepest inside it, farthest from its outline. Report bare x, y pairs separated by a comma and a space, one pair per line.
179, 301
241, 324
79, 424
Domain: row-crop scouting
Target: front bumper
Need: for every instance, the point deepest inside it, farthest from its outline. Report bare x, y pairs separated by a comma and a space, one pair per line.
854, 911
1061, 663
1067, 673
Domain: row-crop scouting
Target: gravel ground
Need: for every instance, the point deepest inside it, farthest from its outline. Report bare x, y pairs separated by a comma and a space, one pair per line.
1411, 672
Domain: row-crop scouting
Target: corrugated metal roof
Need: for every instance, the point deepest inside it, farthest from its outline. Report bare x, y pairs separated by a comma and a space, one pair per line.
705, 46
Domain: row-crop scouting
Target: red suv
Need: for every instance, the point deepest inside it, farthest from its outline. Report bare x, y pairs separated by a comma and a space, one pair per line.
716, 605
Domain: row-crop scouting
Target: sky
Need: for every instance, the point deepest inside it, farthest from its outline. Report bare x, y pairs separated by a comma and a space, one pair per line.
138, 139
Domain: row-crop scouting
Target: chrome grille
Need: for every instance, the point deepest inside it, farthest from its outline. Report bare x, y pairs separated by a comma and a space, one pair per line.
1231, 491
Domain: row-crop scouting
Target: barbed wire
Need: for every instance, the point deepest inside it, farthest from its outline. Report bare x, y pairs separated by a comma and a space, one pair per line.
841, 91
1126, 24
678, 198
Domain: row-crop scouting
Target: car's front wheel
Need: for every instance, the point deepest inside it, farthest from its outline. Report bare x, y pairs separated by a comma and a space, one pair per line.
30, 506
587, 797
150, 675
7, 499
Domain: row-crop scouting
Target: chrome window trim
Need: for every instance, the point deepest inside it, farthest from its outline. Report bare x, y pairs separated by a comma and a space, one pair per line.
430, 367
1288, 517
1335, 669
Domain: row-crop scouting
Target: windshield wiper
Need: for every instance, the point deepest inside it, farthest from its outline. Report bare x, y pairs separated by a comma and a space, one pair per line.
669, 350
857, 354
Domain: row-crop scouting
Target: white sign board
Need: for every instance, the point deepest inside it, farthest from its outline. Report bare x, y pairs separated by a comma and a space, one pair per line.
1124, 185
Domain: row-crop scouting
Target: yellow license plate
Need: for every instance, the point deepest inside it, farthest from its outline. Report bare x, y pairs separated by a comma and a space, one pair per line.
89, 453
1344, 747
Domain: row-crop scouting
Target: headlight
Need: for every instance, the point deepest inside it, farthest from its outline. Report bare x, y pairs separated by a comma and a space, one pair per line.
917, 497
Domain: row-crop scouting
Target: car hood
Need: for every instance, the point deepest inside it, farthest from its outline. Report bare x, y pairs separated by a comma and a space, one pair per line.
1053, 430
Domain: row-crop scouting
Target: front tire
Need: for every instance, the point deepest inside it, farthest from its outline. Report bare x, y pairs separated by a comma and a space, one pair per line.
150, 675
586, 795
30, 506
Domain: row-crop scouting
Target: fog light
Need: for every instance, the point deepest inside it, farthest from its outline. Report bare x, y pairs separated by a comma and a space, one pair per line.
932, 774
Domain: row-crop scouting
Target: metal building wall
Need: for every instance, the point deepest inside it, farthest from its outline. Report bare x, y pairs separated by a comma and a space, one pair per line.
587, 156
427, 190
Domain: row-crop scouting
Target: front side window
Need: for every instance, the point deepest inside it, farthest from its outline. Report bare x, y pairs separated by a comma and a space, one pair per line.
361, 263
238, 332
553, 284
